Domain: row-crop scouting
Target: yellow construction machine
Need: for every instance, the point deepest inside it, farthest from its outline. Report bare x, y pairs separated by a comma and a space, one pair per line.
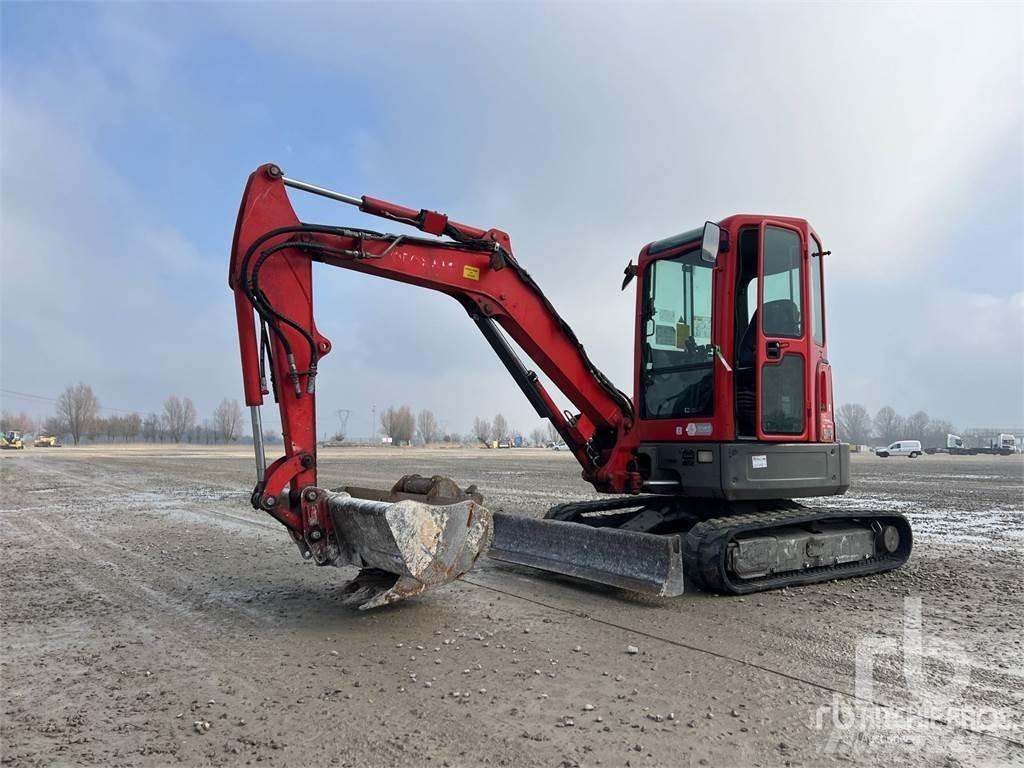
11, 440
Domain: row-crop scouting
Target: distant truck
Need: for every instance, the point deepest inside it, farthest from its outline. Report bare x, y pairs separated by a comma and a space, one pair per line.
1004, 445
954, 445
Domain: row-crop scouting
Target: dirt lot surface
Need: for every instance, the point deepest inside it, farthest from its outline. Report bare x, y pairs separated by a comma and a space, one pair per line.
150, 617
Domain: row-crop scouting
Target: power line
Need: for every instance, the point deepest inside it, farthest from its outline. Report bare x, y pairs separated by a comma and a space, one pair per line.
44, 399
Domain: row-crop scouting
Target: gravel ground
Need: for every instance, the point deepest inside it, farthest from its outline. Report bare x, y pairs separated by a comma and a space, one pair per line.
150, 617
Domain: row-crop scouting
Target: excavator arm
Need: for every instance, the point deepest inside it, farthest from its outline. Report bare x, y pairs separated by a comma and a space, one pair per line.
424, 532
271, 276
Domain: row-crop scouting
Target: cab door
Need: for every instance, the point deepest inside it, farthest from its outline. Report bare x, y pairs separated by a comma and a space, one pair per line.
782, 352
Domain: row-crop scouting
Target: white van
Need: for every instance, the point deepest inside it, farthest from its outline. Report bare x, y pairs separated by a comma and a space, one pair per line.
911, 448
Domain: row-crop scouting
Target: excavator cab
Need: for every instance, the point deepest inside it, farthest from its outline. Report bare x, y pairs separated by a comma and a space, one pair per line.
733, 382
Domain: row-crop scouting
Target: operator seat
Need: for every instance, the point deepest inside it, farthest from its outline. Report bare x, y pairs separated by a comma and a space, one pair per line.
781, 318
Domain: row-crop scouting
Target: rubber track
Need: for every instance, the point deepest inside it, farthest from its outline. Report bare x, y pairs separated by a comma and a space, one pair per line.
706, 547
573, 510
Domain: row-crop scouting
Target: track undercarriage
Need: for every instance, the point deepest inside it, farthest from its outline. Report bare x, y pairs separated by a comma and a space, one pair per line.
742, 547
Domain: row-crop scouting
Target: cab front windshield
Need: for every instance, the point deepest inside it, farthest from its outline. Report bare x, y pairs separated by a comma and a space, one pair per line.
678, 356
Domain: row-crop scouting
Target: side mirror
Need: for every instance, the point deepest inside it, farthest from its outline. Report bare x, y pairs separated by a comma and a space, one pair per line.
711, 242
629, 273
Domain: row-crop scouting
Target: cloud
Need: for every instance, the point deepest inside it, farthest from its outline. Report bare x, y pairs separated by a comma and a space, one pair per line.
585, 135
97, 286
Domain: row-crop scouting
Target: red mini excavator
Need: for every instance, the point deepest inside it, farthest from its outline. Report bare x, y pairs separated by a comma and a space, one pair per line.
731, 417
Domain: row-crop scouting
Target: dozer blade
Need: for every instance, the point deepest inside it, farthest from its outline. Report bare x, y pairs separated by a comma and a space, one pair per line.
405, 547
638, 562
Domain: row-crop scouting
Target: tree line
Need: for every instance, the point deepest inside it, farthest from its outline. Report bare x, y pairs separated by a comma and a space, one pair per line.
403, 427
78, 416
856, 425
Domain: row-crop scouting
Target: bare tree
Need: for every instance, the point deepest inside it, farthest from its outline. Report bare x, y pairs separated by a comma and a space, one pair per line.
854, 423
78, 408
887, 424
398, 423
538, 436
53, 425
94, 429
21, 422
935, 433
179, 417
553, 436
915, 426
151, 428
499, 428
387, 416
481, 429
227, 421
132, 426
899, 428
426, 426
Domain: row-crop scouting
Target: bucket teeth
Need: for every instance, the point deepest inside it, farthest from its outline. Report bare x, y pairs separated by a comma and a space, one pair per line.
374, 588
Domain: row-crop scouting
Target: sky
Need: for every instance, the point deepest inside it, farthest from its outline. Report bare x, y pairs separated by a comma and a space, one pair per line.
585, 131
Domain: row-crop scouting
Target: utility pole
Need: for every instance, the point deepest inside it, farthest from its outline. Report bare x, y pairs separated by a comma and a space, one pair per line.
343, 414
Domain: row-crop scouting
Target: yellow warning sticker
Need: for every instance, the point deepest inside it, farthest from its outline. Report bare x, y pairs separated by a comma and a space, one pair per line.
471, 273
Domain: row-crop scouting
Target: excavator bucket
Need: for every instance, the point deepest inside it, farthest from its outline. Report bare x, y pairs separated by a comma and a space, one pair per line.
405, 547
426, 532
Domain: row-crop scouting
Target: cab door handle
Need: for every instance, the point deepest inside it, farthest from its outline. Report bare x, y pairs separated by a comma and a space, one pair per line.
772, 350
